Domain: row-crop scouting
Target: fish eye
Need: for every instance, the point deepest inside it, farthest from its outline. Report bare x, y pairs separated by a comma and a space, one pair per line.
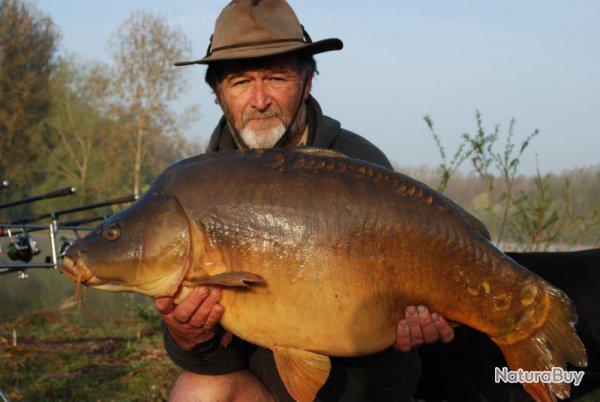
113, 232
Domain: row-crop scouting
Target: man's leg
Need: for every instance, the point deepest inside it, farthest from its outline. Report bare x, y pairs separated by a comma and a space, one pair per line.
241, 386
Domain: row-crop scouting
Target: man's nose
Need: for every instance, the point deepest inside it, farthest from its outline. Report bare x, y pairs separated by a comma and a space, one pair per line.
260, 98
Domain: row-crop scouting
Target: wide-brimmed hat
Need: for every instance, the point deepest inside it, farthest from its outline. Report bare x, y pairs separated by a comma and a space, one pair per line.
248, 29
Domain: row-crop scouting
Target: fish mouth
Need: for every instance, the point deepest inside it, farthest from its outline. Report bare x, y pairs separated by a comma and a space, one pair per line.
76, 271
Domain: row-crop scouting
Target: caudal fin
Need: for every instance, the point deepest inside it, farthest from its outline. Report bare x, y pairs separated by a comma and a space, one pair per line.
553, 345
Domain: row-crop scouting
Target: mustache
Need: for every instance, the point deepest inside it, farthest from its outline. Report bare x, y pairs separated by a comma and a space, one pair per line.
272, 111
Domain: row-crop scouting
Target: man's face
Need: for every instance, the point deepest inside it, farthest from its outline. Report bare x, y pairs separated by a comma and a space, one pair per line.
260, 102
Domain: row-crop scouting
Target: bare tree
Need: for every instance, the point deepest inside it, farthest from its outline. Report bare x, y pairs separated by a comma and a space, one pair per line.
144, 48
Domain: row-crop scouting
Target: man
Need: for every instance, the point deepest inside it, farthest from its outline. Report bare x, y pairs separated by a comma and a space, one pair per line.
261, 67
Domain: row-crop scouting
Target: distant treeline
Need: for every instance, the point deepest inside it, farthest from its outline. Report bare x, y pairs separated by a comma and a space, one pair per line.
568, 201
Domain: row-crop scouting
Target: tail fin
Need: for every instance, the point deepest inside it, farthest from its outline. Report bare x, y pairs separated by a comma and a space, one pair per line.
553, 345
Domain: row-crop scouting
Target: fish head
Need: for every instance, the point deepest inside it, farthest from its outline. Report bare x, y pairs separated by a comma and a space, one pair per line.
143, 249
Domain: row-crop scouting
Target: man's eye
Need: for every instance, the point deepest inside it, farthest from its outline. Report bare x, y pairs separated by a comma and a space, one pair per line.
240, 82
277, 79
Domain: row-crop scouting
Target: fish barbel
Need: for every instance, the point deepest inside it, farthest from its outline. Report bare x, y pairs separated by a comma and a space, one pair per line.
319, 255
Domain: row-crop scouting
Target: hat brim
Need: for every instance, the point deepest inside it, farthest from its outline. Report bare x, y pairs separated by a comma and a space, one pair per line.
265, 50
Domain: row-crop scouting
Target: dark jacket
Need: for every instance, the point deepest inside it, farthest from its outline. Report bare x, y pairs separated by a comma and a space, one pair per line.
386, 376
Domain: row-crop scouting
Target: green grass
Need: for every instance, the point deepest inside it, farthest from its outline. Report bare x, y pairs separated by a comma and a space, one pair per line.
56, 359
123, 360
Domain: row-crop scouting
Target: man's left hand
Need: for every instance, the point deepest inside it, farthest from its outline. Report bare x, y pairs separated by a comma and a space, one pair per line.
421, 327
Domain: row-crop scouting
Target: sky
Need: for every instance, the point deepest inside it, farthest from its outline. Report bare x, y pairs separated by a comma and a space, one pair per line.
537, 61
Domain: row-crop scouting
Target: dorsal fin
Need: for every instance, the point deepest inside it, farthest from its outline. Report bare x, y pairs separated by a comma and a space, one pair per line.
477, 225
469, 219
303, 373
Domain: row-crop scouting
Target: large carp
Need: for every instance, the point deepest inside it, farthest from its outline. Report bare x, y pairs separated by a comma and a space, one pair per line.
319, 255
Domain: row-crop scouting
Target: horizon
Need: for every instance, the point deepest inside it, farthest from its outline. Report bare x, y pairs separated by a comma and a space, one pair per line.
537, 62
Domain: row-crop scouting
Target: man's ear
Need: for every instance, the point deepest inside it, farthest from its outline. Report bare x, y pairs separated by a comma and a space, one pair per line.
308, 85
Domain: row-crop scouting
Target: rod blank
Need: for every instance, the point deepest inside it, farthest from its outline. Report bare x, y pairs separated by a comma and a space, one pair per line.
52, 194
116, 201
56, 214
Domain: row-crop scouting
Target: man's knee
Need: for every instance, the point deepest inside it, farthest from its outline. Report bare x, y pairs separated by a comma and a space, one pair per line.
241, 386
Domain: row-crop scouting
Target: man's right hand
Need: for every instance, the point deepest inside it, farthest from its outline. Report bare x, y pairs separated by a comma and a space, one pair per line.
195, 319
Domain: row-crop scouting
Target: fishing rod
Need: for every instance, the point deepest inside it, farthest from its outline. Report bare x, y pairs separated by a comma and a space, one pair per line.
21, 228
4, 184
37, 228
23, 248
52, 194
54, 215
122, 200
24, 225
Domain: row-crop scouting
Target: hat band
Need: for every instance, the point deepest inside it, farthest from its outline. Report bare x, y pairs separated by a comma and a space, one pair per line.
257, 43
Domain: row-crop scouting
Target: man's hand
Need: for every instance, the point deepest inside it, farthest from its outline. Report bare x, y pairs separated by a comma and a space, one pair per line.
420, 327
195, 319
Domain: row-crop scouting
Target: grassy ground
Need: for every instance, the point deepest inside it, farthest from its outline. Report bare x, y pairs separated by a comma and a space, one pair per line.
56, 359
60, 357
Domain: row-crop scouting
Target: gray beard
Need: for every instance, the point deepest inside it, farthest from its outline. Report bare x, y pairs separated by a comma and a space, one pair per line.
255, 140
263, 140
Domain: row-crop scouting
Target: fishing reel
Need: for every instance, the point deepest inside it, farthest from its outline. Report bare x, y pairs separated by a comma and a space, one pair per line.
22, 247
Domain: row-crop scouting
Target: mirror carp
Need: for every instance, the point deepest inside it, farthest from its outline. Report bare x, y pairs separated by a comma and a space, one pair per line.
319, 255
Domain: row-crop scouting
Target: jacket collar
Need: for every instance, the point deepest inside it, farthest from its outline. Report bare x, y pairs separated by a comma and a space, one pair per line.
322, 130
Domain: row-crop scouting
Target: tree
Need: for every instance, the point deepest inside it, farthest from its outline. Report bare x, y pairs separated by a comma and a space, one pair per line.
27, 47
82, 141
143, 48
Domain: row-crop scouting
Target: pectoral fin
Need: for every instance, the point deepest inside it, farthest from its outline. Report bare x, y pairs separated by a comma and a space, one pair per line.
234, 279
303, 373
320, 152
